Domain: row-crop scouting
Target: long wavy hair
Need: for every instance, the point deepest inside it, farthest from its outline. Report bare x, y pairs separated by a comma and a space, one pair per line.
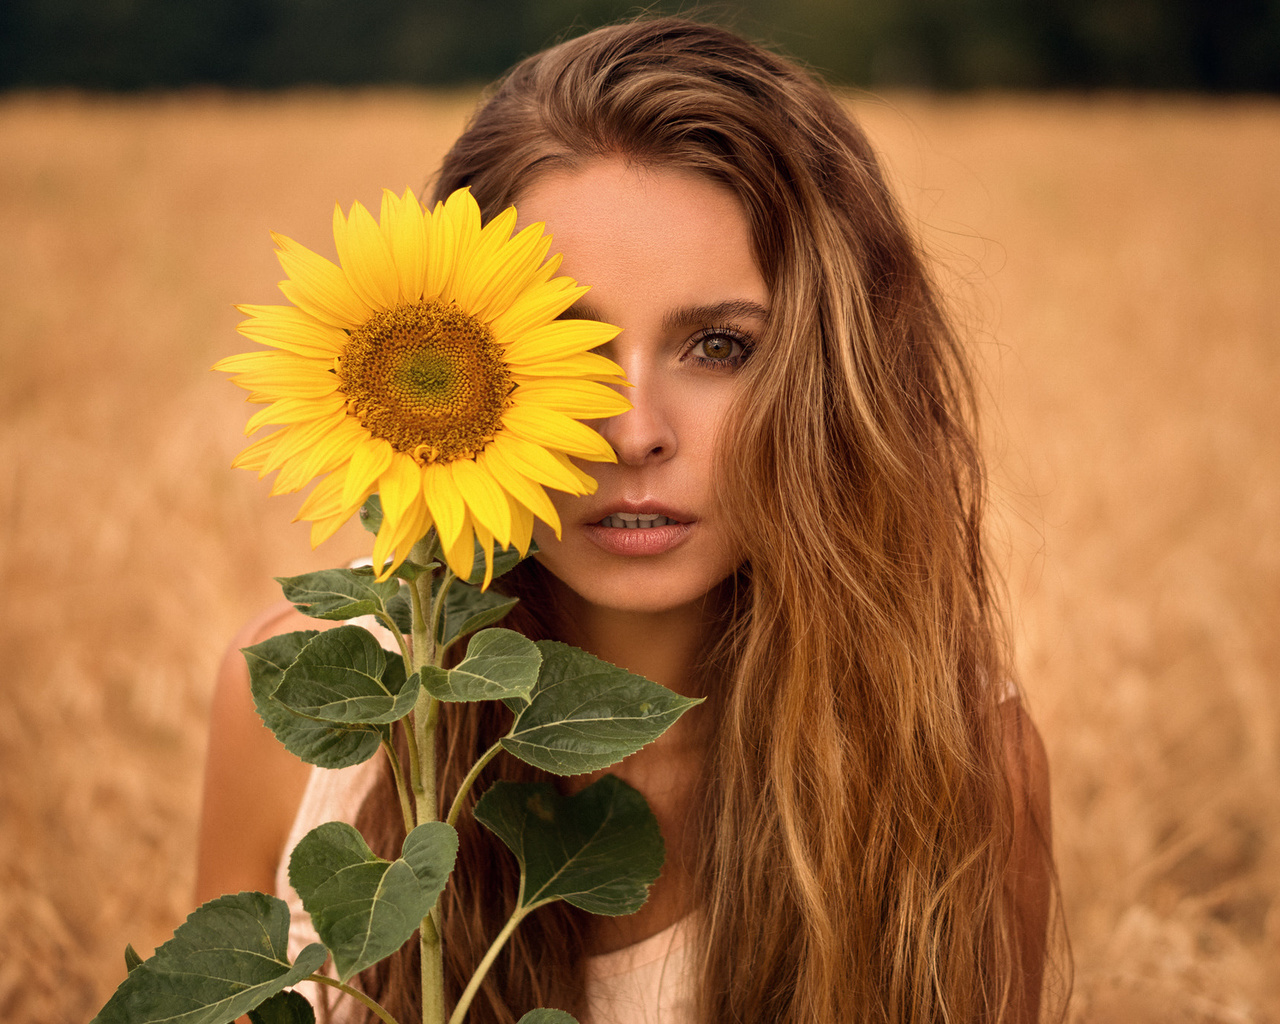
858, 814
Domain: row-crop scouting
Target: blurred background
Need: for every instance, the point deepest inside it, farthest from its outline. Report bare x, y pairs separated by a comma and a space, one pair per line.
1214, 45
1099, 184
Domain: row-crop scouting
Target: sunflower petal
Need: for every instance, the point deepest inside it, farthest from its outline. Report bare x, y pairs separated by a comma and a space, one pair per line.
319, 287
581, 399
460, 554
522, 527
518, 486
370, 458
365, 257
486, 547
448, 510
555, 430
560, 339
485, 500
405, 230
540, 303
538, 464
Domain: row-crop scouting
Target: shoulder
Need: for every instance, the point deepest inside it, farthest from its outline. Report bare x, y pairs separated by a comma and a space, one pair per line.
1029, 877
1026, 761
252, 785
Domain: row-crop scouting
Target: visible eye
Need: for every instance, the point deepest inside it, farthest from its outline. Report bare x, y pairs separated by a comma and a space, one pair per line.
719, 348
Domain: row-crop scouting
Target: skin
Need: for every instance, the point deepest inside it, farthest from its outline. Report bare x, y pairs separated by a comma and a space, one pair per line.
669, 258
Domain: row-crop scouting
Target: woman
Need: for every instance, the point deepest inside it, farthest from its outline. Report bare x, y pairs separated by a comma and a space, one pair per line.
857, 819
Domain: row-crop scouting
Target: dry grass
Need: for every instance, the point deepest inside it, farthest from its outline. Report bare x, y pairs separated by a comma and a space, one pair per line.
1118, 260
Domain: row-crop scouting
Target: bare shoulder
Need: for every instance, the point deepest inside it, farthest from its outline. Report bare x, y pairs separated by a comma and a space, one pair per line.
252, 785
1027, 764
1029, 878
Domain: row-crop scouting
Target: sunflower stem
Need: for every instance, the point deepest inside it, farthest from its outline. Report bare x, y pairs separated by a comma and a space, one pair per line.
491, 954
456, 808
397, 772
354, 993
426, 713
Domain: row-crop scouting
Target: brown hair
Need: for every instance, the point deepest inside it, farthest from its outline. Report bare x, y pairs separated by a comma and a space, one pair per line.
858, 815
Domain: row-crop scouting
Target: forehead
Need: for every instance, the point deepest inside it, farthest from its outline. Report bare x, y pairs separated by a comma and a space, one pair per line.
612, 219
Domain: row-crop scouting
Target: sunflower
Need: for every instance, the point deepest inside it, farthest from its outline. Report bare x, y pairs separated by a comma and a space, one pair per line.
427, 366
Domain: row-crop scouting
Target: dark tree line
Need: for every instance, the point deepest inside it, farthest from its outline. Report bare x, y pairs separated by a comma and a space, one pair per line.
1213, 45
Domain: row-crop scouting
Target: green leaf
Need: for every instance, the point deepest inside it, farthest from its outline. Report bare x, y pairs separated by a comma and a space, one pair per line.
467, 609
500, 664
131, 958
585, 714
541, 1016
229, 956
285, 1008
504, 560
343, 677
338, 593
371, 513
400, 608
364, 908
410, 571
317, 743
599, 849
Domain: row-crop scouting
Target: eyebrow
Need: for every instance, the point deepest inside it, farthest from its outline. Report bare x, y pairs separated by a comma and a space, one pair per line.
687, 316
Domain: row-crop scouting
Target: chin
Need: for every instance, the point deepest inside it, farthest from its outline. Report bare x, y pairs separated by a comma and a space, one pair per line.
636, 587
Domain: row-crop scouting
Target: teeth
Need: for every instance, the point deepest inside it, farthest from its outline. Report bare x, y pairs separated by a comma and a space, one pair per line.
635, 521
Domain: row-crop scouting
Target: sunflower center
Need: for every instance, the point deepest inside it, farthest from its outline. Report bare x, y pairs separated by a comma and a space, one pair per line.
428, 379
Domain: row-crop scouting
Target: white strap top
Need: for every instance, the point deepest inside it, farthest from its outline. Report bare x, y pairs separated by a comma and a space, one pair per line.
647, 983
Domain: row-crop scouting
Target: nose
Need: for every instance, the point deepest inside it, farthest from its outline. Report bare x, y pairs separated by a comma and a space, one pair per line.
646, 434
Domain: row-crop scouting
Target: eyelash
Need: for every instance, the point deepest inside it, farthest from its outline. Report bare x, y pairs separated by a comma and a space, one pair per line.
731, 362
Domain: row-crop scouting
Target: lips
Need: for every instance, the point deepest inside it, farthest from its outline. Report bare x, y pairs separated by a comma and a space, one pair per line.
636, 520
639, 529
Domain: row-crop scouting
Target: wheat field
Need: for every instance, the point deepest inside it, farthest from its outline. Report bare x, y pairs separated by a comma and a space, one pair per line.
1116, 263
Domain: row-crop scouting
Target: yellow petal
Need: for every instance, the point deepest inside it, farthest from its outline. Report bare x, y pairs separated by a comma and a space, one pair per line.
522, 527
448, 510
540, 303
518, 486
586, 484
580, 399
559, 339
370, 457
458, 230
294, 410
365, 257
555, 430
486, 548
292, 329
587, 366
506, 272
405, 231
484, 498
318, 286
538, 464
477, 263
460, 554
302, 438
400, 487
323, 529
324, 501
256, 455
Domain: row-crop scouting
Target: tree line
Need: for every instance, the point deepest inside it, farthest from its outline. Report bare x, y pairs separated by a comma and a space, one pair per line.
120, 45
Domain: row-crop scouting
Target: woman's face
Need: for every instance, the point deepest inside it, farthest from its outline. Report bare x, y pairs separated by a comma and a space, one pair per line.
669, 259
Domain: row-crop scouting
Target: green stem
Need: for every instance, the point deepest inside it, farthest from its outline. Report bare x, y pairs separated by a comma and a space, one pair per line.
406, 808
390, 623
422, 757
356, 994
473, 986
456, 809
